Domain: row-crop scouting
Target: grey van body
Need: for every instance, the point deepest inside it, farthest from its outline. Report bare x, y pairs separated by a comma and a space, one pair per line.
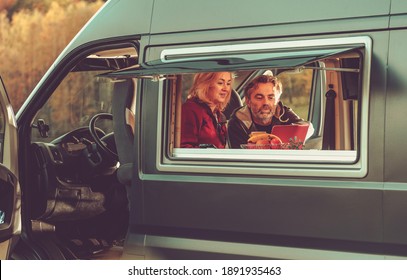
231, 206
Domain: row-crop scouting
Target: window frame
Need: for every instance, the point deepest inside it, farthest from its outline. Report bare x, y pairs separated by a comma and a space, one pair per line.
94, 60
196, 161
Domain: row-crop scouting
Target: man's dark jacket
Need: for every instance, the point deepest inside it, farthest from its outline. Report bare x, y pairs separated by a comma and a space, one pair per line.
241, 124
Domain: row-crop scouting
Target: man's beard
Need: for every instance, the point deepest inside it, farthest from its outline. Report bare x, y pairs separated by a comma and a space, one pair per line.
264, 118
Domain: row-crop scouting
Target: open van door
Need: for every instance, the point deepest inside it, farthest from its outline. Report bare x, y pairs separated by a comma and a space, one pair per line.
10, 211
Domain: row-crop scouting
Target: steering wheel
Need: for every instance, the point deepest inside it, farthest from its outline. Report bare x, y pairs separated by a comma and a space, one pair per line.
99, 142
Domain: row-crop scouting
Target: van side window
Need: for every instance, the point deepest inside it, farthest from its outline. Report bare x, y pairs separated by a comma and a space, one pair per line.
325, 82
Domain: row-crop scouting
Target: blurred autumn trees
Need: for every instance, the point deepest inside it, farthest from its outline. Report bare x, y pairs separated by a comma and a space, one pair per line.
7, 4
297, 90
40, 5
32, 34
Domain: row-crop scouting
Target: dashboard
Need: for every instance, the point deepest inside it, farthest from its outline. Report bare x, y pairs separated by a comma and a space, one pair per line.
69, 175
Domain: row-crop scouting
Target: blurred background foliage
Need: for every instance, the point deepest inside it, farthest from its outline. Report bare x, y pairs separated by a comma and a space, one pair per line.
32, 35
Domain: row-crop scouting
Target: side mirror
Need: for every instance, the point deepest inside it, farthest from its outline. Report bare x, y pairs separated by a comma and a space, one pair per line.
43, 128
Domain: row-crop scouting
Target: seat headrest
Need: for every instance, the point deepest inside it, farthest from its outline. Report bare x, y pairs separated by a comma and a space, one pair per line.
123, 119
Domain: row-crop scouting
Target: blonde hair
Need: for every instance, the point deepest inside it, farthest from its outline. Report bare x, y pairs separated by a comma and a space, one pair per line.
200, 88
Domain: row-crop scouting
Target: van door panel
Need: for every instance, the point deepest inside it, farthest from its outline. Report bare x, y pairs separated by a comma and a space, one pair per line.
322, 209
338, 212
231, 205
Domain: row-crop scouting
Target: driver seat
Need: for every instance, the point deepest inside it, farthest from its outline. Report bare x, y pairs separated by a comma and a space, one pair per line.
123, 127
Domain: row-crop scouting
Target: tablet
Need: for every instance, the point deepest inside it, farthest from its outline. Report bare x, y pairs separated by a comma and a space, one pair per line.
296, 132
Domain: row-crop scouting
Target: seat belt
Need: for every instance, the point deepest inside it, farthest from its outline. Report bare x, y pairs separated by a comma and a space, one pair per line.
328, 139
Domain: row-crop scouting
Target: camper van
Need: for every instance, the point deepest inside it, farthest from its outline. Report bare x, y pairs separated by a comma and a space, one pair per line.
93, 166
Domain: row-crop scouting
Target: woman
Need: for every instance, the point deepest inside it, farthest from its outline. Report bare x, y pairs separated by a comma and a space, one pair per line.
203, 123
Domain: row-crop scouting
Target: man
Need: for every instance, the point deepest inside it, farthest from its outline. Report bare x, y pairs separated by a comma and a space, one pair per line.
262, 111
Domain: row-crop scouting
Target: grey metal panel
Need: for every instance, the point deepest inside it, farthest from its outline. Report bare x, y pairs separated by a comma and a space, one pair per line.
399, 14
398, 6
164, 247
178, 15
395, 196
398, 21
377, 106
396, 103
266, 208
270, 31
395, 213
149, 120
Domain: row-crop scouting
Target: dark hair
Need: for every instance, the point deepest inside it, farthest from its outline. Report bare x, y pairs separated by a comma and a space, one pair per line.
263, 79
